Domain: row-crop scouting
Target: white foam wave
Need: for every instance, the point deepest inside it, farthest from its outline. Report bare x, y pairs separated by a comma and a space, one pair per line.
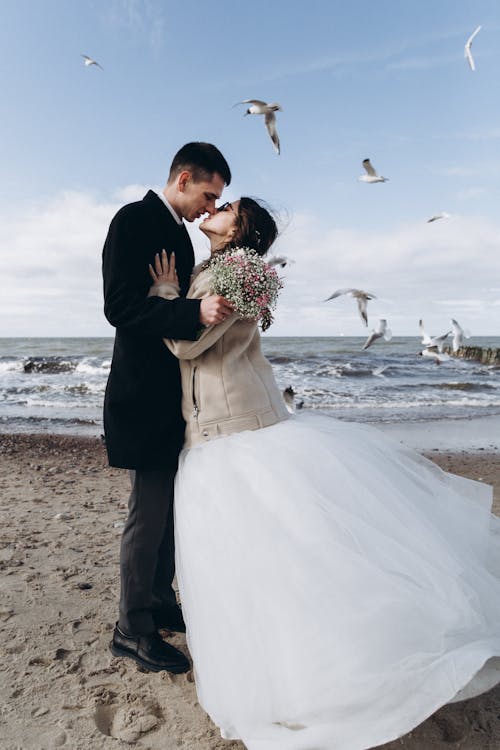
57, 404
11, 366
91, 367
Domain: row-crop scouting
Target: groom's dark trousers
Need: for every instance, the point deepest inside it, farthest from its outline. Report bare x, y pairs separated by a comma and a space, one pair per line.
143, 423
147, 557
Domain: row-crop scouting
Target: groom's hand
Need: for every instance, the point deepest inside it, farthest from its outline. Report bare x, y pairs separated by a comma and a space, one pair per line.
214, 310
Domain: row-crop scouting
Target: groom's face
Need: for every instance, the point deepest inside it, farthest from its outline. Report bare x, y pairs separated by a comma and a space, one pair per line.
199, 197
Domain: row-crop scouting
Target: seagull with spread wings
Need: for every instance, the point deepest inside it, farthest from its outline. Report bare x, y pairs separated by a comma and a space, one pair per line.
88, 61
371, 174
360, 296
432, 341
378, 332
467, 49
259, 107
436, 217
458, 335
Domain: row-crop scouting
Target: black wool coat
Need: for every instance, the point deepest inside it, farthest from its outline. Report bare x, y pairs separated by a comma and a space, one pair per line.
143, 423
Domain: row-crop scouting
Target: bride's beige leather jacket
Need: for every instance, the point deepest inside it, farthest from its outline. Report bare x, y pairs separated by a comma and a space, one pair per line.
227, 383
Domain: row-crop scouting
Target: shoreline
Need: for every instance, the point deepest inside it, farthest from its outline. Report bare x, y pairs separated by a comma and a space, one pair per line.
453, 435
469, 434
62, 516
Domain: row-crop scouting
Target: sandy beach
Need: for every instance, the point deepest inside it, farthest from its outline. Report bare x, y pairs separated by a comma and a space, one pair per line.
62, 514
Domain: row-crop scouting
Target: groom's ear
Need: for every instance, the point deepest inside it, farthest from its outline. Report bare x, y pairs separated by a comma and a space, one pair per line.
183, 180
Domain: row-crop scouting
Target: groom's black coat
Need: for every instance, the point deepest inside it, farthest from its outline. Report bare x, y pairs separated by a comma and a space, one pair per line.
143, 423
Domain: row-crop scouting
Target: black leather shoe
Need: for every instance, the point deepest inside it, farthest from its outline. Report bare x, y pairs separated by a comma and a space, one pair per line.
150, 651
170, 619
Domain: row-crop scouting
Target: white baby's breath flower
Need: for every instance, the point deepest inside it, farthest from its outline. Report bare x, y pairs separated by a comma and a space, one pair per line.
246, 280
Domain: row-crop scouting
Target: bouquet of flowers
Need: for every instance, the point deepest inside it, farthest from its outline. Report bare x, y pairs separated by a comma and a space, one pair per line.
246, 280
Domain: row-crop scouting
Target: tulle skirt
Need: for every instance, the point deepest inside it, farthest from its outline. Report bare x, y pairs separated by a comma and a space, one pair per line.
337, 587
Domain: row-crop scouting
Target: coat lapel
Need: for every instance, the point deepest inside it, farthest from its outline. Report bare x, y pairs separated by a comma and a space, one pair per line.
171, 236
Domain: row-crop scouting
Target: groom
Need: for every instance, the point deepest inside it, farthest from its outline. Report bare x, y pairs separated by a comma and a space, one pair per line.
143, 423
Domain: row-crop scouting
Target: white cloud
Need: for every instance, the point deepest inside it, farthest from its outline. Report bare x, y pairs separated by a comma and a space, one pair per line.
133, 192
50, 265
409, 268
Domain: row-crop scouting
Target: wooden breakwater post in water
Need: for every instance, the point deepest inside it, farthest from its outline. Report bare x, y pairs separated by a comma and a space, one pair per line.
488, 356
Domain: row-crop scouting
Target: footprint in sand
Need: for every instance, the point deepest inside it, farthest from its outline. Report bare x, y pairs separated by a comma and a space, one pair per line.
127, 723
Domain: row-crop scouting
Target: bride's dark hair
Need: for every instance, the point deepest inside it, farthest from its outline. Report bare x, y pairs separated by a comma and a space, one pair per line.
255, 227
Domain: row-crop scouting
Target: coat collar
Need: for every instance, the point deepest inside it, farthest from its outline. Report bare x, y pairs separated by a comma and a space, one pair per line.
156, 204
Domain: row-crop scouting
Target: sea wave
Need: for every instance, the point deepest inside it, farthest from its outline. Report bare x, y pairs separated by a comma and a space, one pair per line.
55, 403
449, 386
93, 366
59, 384
11, 365
35, 423
84, 389
466, 386
280, 360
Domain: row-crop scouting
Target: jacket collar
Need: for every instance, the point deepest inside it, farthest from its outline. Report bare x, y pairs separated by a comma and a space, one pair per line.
156, 204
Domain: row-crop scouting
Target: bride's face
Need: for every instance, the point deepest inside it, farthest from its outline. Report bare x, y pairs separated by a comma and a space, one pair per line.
221, 226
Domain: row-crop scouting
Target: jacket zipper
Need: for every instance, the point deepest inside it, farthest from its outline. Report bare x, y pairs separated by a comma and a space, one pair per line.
196, 409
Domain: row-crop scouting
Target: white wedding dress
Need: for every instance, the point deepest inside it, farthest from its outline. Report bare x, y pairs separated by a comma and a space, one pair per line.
337, 587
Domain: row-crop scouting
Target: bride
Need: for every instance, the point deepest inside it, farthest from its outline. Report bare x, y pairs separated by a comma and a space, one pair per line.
337, 587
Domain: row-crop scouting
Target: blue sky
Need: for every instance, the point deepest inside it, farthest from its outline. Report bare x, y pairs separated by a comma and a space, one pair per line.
386, 80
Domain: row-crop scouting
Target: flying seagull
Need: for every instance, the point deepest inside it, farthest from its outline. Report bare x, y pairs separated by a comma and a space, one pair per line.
378, 332
432, 341
458, 335
437, 356
467, 48
88, 61
263, 108
360, 296
371, 175
442, 215
279, 260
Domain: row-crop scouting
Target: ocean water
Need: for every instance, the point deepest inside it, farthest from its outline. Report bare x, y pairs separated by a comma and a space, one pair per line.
57, 385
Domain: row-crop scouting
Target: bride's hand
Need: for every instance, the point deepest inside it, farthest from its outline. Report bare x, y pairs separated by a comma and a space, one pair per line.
164, 271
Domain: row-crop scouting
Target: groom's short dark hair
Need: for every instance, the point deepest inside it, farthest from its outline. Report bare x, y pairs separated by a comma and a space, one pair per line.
202, 160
